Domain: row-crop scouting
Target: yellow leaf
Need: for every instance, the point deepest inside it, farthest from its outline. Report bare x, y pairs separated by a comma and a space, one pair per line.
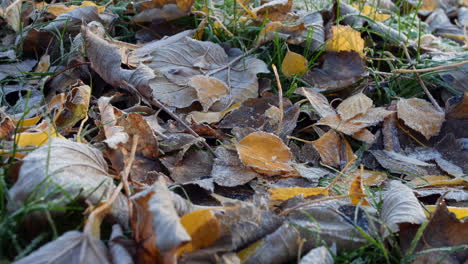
370, 178
266, 154
434, 180
345, 38
372, 12
44, 64
58, 9
250, 250
289, 192
294, 63
356, 188
209, 90
27, 122
460, 212
203, 227
37, 136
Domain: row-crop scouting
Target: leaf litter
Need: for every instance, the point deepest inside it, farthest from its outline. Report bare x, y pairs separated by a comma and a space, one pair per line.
167, 125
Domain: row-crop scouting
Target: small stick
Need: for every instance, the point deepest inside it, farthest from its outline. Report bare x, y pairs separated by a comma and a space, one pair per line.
280, 99
235, 60
341, 173
156, 103
438, 68
126, 171
421, 82
300, 139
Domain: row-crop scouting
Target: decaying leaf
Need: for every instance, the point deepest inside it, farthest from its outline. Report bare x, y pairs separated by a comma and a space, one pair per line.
333, 223
78, 169
356, 126
156, 223
287, 193
11, 12
229, 171
196, 164
369, 178
334, 150
421, 116
372, 12
209, 90
443, 230
293, 63
400, 206
319, 255
157, 10
318, 101
37, 135
265, 153
434, 180
460, 212
58, 9
357, 188
338, 70
460, 109
400, 163
353, 106
203, 228
274, 10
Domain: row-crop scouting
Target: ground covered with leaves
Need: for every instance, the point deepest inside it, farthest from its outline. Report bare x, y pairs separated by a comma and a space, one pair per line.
238, 131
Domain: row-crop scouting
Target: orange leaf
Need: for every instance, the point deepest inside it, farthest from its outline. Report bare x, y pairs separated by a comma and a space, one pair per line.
203, 227
356, 188
421, 116
265, 153
460, 212
289, 192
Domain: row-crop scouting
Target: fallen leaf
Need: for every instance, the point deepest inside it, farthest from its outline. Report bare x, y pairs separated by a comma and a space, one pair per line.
337, 71
37, 136
156, 224
16, 69
460, 109
75, 168
294, 63
460, 212
357, 188
318, 101
400, 163
318, 255
265, 153
287, 193
369, 178
72, 20
421, 116
345, 38
434, 180
58, 9
274, 10
229, 171
209, 90
444, 230
119, 254
354, 105
400, 206
11, 12
203, 227
156, 10
334, 150
195, 165
371, 12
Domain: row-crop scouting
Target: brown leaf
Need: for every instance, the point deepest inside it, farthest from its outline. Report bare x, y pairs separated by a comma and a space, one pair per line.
265, 153
353, 106
229, 171
338, 70
460, 109
157, 10
443, 230
318, 101
209, 90
196, 164
333, 149
421, 116
357, 188
274, 10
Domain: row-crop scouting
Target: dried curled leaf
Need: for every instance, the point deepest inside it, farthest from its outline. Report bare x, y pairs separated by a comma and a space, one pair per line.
333, 149
421, 116
356, 188
289, 192
209, 90
265, 153
293, 63
401, 206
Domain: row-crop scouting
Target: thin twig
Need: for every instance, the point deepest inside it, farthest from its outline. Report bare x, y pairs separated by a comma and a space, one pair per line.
155, 102
68, 68
300, 139
341, 173
235, 60
280, 101
126, 171
438, 68
287, 211
421, 82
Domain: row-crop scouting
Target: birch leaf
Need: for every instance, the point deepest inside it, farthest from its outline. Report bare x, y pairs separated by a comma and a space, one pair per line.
421, 116
293, 63
289, 192
401, 206
354, 105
